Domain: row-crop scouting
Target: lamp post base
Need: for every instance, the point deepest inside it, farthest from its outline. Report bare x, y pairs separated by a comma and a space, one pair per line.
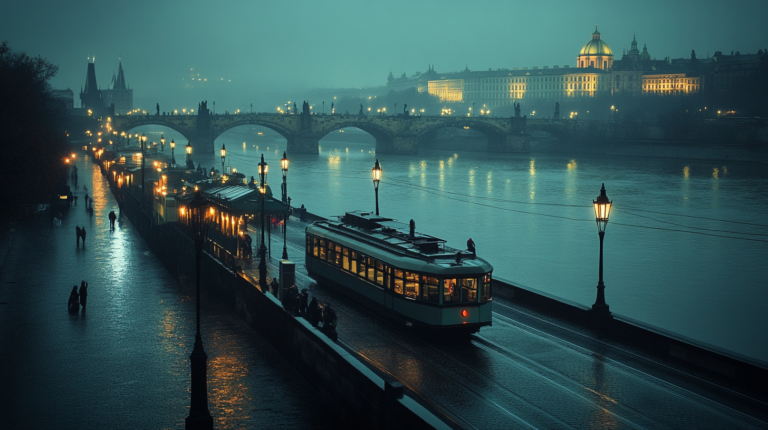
600, 315
199, 415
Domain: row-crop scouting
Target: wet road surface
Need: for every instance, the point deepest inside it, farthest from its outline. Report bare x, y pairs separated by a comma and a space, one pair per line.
124, 362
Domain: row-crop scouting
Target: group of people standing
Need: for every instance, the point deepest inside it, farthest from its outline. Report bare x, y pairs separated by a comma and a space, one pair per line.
295, 303
76, 299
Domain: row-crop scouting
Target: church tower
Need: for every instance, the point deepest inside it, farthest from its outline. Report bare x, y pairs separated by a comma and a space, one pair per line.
119, 95
90, 97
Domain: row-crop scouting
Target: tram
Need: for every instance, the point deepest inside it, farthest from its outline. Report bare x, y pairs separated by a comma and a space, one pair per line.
406, 276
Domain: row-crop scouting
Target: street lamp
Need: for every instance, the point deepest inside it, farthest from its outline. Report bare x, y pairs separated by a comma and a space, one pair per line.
284, 167
376, 175
143, 192
162, 142
602, 209
223, 157
189, 153
199, 415
173, 146
263, 168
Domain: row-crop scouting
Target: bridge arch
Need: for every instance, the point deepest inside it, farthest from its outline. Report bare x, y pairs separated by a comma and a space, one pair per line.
126, 125
495, 135
287, 134
384, 138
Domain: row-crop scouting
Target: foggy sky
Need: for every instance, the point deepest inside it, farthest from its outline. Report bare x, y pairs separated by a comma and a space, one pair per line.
266, 48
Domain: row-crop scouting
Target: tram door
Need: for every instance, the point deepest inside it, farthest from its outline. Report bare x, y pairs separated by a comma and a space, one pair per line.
389, 298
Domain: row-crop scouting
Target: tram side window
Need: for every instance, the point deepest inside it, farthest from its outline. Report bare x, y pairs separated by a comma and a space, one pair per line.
450, 291
345, 262
469, 290
337, 259
361, 266
371, 276
353, 262
331, 252
380, 273
485, 294
322, 249
315, 248
430, 289
411, 285
399, 281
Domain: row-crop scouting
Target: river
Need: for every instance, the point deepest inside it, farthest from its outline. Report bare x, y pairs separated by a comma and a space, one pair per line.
686, 248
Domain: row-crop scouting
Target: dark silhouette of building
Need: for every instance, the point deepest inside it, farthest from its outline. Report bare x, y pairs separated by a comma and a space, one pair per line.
118, 99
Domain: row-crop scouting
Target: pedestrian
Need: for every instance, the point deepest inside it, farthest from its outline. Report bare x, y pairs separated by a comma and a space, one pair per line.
86, 199
83, 293
471, 247
82, 233
293, 291
329, 321
303, 302
74, 304
78, 233
112, 218
275, 285
313, 312
248, 247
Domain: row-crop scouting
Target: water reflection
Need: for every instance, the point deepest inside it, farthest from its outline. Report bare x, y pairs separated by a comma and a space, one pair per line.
489, 186
572, 165
715, 173
533, 167
687, 172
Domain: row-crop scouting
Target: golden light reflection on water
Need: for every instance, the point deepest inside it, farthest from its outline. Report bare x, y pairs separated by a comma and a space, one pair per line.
716, 173
450, 162
423, 165
687, 172
471, 177
334, 162
725, 170
572, 165
99, 197
489, 183
533, 167
229, 395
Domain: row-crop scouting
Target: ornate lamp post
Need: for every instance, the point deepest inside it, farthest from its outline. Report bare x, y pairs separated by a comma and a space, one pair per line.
602, 209
376, 174
189, 152
284, 166
173, 146
263, 168
162, 143
143, 184
223, 157
199, 416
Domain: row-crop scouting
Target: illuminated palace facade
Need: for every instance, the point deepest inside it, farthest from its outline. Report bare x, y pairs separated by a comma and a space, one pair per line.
596, 73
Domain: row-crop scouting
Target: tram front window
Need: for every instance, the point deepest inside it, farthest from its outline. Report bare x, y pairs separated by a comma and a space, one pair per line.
485, 295
411, 285
468, 290
430, 289
450, 291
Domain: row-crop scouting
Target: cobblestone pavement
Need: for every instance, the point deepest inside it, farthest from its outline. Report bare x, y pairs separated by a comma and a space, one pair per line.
530, 370
124, 363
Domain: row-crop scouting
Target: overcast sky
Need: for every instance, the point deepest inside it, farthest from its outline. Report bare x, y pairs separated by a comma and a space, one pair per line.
249, 49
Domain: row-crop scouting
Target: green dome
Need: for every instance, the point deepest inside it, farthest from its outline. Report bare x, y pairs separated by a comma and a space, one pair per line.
596, 46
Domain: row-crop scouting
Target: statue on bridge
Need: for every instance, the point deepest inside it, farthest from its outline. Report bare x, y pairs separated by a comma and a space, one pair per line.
361, 110
295, 110
158, 109
305, 108
405, 109
557, 111
517, 110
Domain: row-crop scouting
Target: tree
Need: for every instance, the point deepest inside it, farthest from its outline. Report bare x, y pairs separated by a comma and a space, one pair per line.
32, 133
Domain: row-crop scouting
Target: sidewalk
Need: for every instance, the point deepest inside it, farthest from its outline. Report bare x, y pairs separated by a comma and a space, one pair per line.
124, 363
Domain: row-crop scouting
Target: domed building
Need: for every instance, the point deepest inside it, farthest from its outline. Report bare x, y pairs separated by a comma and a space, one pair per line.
595, 53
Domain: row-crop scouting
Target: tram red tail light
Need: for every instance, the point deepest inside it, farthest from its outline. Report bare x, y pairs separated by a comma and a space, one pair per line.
464, 313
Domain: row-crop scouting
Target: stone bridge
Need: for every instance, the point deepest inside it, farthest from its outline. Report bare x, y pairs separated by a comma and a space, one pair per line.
393, 134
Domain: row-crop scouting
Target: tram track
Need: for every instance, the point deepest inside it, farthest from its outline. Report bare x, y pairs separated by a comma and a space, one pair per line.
492, 392
657, 363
